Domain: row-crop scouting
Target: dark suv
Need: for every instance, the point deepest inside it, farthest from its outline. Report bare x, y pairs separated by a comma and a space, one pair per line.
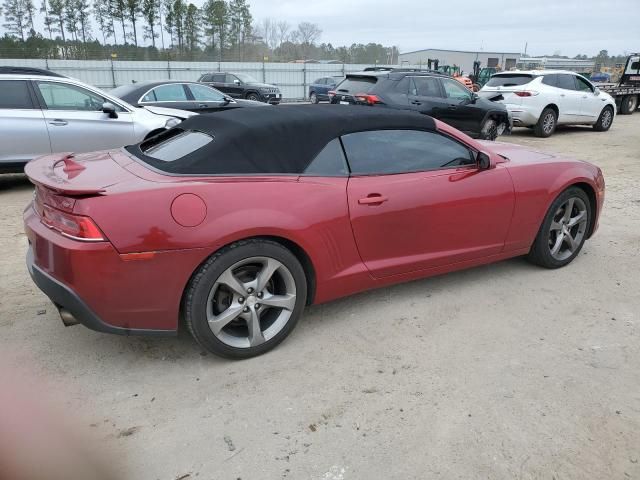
428, 92
241, 85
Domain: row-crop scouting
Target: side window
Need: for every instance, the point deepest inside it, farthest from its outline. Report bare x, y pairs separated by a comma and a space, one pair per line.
206, 78
455, 90
230, 78
59, 96
402, 86
566, 82
402, 151
15, 94
583, 85
330, 162
173, 92
218, 78
319, 81
202, 93
551, 80
427, 86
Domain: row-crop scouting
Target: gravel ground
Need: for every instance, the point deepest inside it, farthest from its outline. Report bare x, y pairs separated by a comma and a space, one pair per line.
506, 371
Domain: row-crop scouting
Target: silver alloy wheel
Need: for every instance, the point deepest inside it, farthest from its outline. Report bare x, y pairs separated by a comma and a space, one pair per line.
251, 302
548, 123
607, 117
313, 98
568, 228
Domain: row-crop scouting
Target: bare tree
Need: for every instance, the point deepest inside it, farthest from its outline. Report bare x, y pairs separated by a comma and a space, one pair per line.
268, 30
283, 31
309, 32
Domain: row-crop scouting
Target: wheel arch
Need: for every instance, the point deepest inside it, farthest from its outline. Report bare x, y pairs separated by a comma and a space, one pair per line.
252, 92
591, 194
553, 107
297, 250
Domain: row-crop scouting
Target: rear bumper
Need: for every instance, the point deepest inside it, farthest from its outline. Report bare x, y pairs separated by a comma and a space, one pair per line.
523, 116
105, 290
65, 298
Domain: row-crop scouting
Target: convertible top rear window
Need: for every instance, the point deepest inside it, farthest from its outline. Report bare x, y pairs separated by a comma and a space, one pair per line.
509, 80
174, 144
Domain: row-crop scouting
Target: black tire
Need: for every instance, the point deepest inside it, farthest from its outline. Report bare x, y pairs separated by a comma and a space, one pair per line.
313, 98
253, 96
605, 120
204, 279
540, 252
629, 104
489, 130
541, 129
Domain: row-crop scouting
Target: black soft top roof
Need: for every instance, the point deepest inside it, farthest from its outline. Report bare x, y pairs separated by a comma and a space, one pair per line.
276, 140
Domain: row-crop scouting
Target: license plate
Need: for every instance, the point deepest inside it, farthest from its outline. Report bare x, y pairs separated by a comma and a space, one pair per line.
344, 103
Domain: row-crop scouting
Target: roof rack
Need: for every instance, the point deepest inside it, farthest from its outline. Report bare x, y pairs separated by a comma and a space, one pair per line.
401, 69
28, 71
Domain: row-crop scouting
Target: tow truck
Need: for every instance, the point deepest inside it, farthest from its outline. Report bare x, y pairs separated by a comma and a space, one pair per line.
627, 91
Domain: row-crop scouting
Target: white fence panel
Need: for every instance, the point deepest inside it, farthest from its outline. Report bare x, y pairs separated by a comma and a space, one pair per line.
293, 79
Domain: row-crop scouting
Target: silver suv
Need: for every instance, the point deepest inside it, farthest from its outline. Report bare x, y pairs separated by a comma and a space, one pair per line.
42, 114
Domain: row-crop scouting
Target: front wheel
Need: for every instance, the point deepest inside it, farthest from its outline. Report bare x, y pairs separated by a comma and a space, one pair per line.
563, 230
313, 98
245, 299
604, 120
489, 130
253, 96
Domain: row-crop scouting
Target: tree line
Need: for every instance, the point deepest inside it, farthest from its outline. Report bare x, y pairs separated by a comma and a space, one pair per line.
166, 29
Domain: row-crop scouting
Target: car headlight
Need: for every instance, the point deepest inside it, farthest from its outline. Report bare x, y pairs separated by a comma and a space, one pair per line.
172, 122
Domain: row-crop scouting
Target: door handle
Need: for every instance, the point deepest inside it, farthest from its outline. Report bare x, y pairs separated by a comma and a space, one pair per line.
415, 102
584, 96
562, 95
203, 105
58, 122
373, 199
452, 107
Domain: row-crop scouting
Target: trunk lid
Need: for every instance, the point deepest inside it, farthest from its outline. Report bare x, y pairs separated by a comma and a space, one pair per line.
501, 87
77, 175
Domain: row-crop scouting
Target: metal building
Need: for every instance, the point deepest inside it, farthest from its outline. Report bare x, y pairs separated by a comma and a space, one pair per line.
461, 58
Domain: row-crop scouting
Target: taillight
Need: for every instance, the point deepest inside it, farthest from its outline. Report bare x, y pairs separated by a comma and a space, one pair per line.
77, 227
331, 93
366, 98
526, 93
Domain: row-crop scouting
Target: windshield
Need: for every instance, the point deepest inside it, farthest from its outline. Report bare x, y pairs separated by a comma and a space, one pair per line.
246, 78
509, 80
357, 85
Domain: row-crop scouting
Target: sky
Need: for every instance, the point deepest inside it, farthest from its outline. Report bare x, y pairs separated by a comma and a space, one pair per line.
571, 27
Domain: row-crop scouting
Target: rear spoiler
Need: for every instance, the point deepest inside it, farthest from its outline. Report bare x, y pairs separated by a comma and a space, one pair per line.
57, 172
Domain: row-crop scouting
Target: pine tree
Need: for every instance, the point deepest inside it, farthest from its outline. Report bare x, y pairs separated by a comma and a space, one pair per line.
56, 10
192, 25
133, 9
151, 13
48, 20
16, 14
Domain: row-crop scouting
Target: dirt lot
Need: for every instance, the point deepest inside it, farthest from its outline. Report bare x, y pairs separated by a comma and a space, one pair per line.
505, 372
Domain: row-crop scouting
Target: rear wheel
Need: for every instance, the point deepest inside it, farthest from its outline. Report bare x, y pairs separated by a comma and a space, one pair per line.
604, 120
546, 123
245, 299
563, 230
629, 104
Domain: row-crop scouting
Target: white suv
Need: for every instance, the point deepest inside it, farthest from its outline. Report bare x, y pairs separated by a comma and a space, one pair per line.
543, 99
42, 114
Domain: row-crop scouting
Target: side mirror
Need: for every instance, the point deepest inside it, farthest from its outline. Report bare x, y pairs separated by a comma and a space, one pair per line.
596, 92
484, 161
109, 108
474, 97
236, 81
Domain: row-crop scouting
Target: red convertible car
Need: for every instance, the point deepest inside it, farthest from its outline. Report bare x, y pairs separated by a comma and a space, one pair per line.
235, 222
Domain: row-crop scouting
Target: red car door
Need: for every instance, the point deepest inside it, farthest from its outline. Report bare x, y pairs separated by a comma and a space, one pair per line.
404, 222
